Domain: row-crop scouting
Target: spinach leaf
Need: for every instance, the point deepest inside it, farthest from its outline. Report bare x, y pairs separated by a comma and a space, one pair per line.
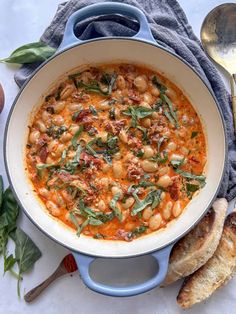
177, 163
33, 52
110, 81
76, 136
93, 110
137, 231
114, 207
192, 187
137, 113
168, 102
160, 142
93, 87
191, 176
26, 253
194, 134
153, 197
159, 85
160, 158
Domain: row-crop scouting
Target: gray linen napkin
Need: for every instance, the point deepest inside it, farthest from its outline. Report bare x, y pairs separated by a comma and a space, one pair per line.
171, 29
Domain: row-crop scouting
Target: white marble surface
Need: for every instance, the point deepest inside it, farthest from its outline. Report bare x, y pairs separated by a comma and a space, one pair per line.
23, 21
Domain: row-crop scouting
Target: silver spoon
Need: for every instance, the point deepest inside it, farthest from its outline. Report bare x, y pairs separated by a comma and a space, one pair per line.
218, 36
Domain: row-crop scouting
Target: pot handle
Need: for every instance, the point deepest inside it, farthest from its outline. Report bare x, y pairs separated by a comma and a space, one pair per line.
69, 37
161, 256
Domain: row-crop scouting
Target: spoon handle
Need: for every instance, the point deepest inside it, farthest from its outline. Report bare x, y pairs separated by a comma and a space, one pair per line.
233, 94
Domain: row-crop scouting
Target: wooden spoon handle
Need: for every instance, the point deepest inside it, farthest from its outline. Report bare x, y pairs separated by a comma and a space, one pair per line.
34, 293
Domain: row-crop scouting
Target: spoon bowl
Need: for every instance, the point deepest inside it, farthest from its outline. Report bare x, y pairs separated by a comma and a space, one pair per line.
218, 36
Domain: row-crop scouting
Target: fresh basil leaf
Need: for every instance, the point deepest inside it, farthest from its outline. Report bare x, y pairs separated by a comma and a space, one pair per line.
169, 117
89, 148
192, 187
114, 207
33, 52
177, 163
3, 220
1, 191
109, 79
77, 154
145, 134
194, 134
140, 153
63, 156
82, 226
44, 166
137, 113
137, 231
76, 136
112, 142
160, 158
9, 262
171, 110
94, 221
112, 113
159, 85
93, 110
191, 176
153, 197
11, 208
92, 87
160, 142
26, 253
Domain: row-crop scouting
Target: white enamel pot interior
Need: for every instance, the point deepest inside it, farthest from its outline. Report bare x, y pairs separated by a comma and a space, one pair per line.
107, 51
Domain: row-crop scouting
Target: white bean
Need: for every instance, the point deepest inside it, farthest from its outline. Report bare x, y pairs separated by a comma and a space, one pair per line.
105, 168
104, 105
171, 93
116, 190
74, 128
44, 192
34, 136
53, 208
140, 83
128, 203
105, 182
52, 146
65, 137
147, 97
163, 170
41, 126
117, 156
177, 209
148, 151
66, 92
58, 120
172, 146
155, 91
101, 205
184, 150
155, 222
74, 107
149, 166
103, 136
147, 213
167, 210
155, 115
145, 104
120, 82
164, 181
117, 169
123, 136
59, 106
146, 122
46, 116
176, 157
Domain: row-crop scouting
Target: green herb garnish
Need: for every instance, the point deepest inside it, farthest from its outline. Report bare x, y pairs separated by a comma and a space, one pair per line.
114, 207
194, 134
76, 136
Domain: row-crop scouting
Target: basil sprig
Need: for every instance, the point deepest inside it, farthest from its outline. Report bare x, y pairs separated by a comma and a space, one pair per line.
115, 208
137, 113
33, 52
26, 252
153, 198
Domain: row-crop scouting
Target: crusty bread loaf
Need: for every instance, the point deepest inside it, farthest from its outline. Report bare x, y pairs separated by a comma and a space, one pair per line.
194, 249
216, 272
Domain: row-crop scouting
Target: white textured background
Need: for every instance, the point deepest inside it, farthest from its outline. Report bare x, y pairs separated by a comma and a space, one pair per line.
23, 21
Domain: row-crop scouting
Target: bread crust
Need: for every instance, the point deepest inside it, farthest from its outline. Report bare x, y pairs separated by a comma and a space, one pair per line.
194, 249
216, 272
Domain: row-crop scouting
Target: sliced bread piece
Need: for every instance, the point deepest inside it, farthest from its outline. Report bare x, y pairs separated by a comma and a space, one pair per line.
194, 249
216, 272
